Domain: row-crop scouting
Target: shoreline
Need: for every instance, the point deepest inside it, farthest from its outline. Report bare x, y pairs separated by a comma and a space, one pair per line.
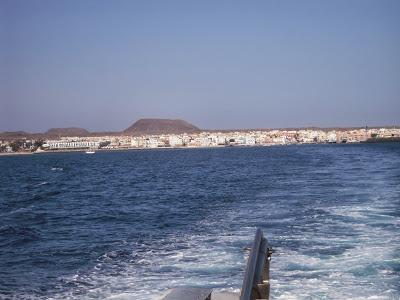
15, 153
205, 147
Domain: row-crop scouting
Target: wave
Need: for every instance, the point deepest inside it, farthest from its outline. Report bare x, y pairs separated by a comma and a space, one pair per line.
57, 169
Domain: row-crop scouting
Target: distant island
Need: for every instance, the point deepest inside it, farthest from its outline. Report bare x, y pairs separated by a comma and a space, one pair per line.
172, 133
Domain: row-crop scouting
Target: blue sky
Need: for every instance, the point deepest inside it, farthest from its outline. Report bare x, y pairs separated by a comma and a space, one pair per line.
102, 65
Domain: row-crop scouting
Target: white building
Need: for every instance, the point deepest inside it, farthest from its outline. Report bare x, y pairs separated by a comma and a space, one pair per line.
175, 141
71, 144
151, 142
332, 138
250, 140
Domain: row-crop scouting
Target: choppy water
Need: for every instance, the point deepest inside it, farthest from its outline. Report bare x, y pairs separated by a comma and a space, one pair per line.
128, 225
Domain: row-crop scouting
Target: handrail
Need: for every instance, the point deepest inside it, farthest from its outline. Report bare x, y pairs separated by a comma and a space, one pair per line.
256, 279
255, 286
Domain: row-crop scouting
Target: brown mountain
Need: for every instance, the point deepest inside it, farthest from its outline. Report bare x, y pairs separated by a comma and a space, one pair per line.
6, 134
69, 131
17, 135
160, 126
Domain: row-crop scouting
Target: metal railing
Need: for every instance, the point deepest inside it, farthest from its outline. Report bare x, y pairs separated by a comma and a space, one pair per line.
255, 283
256, 279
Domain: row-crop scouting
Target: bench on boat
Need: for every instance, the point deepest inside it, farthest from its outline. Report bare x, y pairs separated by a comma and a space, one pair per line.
255, 285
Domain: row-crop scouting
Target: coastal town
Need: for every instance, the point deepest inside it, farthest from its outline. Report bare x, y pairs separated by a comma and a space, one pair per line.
200, 139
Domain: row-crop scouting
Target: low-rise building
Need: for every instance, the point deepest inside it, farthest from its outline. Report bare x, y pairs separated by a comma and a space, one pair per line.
67, 144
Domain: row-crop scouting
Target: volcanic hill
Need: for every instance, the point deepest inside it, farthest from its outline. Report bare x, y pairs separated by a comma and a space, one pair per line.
69, 131
160, 126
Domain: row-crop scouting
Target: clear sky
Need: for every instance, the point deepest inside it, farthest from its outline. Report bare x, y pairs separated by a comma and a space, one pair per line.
101, 65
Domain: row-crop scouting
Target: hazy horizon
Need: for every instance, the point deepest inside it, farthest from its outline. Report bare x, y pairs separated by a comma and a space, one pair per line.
216, 129
103, 65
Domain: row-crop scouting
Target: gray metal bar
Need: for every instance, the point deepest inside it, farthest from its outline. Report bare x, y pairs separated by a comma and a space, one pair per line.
256, 278
255, 282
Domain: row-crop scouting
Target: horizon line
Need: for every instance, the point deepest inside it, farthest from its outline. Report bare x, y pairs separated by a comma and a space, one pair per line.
215, 129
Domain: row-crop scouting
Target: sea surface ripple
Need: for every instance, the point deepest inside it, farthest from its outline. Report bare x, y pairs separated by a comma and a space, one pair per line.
131, 224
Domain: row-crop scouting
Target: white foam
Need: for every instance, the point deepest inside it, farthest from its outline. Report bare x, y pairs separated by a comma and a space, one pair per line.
57, 169
214, 256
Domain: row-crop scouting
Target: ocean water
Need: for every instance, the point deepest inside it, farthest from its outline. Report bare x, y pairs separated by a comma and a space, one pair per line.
129, 225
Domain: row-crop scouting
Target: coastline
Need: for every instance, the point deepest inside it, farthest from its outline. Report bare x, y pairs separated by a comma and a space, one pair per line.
115, 149
185, 147
15, 153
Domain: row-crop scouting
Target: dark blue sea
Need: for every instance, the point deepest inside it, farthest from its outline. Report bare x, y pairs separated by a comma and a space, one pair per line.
131, 224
